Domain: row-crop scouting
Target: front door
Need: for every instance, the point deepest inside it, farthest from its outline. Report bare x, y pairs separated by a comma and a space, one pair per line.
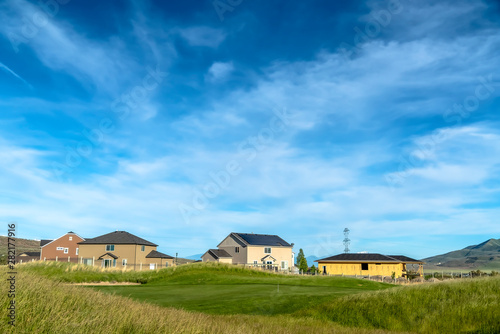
324, 270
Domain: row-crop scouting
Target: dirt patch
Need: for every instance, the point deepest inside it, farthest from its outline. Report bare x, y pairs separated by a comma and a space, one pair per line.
106, 283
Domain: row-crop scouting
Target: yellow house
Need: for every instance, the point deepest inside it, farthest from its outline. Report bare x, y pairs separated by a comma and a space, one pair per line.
122, 250
364, 264
258, 250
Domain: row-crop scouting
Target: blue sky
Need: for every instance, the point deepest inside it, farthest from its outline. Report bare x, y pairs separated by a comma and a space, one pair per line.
184, 121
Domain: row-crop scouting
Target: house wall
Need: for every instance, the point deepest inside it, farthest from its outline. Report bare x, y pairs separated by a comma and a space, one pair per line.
49, 251
229, 245
208, 258
159, 263
350, 268
132, 253
256, 253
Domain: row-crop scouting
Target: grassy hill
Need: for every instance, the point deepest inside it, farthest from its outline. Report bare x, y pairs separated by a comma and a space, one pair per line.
454, 306
485, 256
48, 305
22, 245
215, 288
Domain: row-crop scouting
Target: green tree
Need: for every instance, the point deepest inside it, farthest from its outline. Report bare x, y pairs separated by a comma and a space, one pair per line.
312, 269
303, 264
299, 257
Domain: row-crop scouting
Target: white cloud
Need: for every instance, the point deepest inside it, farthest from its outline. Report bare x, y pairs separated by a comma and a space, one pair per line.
219, 71
203, 36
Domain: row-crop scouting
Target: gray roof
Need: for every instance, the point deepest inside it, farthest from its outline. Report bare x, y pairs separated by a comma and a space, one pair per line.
218, 253
158, 255
118, 237
44, 242
31, 254
110, 254
405, 259
262, 239
366, 257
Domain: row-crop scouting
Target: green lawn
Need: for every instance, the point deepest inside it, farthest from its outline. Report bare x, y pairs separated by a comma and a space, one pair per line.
256, 298
222, 289
222, 299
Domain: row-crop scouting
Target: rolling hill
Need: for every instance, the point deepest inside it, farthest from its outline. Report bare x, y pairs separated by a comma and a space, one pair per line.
485, 255
22, 245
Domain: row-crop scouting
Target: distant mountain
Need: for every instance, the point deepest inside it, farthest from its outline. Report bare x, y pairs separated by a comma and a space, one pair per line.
484, 255
22, 245
194, 257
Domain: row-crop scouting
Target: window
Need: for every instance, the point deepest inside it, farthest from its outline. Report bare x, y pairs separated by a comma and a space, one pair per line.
255, 262
364, 266
110, 248
124, 262
59, 248
70, 238
284, 265
66, 251
76, 251
143, 248
267, 250
236, 249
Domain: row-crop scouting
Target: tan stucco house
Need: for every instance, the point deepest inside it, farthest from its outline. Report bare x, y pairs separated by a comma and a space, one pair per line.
259, 250
122, 250
64, 248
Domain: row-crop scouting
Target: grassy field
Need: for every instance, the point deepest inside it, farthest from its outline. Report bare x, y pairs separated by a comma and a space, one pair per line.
468, 306
226, 299
214, 288
50, 306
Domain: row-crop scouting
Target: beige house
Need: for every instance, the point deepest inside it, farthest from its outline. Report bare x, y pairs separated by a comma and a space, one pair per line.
259, 250
122, 250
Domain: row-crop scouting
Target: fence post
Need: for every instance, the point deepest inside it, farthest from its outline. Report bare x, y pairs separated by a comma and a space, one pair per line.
68, 258
56, 258
141, 267
93, 261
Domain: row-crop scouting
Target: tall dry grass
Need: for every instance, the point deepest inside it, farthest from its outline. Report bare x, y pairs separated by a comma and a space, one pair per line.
459, 306
47, 306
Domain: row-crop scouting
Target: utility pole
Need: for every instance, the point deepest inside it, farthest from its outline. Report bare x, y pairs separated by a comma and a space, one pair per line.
347, 241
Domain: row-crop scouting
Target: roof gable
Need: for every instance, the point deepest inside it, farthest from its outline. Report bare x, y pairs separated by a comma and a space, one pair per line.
44, 242
219, 253
118, 238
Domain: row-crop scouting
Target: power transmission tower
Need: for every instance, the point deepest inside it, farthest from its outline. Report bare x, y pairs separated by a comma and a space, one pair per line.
347, 241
